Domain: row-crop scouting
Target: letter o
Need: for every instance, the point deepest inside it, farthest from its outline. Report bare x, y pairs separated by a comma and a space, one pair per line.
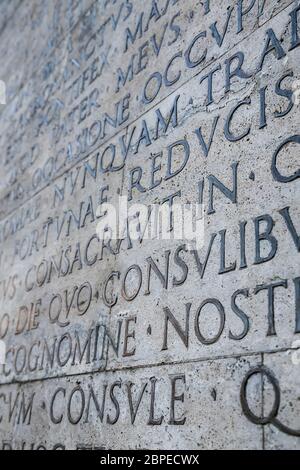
4, 325
91, 140
89, 54
88, 286
127, 297
112, 148
24, 248
168, 82
30, 367
36, 178
70, 417
40, 282
27, 288
221, 312
63, 362
155, 76
48, 169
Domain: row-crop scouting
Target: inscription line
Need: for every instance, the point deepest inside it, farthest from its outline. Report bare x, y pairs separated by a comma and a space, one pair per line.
150, 365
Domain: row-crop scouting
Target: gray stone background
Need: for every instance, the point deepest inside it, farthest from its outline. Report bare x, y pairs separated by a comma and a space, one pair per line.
156, 344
